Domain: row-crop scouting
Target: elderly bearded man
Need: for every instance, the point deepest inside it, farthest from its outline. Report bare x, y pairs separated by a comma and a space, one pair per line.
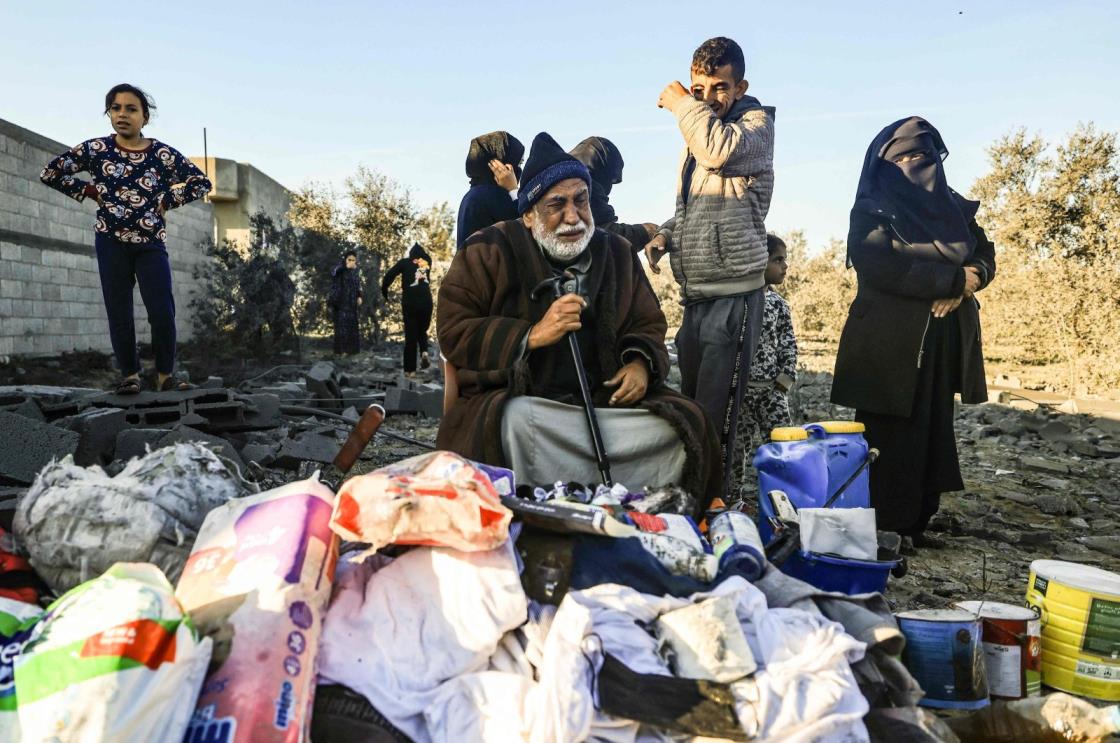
520, 403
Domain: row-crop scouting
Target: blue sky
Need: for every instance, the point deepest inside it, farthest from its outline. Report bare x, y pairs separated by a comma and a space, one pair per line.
308, 91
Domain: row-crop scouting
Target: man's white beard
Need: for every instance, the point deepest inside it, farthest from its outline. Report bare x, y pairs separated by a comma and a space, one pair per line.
562, 251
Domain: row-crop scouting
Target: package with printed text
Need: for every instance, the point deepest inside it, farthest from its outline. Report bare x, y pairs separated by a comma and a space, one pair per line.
257, 582
113, 659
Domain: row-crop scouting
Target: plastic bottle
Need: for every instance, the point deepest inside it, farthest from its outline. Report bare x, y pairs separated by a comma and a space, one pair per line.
1055, 718
737, 544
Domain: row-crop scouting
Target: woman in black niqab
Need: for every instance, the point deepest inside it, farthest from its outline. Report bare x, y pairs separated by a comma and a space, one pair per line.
912, 337
487, 203
904, 180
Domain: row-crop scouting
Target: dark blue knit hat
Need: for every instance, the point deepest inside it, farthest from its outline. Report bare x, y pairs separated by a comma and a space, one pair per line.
548, 164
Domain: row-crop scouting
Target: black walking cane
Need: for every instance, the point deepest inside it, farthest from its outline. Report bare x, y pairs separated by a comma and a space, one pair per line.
561, 285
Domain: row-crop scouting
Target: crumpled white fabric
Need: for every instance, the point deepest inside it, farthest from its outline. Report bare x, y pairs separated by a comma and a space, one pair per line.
396, 633
480, 674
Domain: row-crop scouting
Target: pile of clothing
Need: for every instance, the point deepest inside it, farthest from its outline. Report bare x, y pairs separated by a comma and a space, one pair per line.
417, 602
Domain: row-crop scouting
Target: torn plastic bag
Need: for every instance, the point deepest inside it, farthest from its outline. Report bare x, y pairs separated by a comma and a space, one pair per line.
17, 622
705, 641
77, 522
847, 532
436, 499
258, 582
114, 659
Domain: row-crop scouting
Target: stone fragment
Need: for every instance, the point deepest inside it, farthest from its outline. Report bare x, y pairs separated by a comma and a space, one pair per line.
1084, 448
262, 410
1055, 431
262, 454
1056, 504
217, 444
1044, 465
135, 442
27, 445
322, 385
427, 400
98, 428
1110, 545
311, 446
28, 408
213, 383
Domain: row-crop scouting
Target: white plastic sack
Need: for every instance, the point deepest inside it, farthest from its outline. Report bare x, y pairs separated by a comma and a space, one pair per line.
77, 522
115, 659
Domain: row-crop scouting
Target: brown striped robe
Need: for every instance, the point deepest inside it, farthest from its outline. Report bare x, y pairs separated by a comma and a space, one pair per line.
484, 314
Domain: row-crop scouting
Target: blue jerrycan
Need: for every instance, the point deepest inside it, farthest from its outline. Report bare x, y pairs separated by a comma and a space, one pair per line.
795, 464
845, 451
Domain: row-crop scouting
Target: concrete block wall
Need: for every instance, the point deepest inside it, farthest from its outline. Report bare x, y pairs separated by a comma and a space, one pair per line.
50, 292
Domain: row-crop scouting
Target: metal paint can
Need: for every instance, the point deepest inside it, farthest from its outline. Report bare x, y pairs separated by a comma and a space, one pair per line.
1012, 648
943, 654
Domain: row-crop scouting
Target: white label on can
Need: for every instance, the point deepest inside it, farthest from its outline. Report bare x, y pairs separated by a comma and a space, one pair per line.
1102, 671
1005, 670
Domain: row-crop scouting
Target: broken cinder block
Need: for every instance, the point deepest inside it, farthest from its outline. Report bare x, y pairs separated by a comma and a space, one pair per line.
27, 445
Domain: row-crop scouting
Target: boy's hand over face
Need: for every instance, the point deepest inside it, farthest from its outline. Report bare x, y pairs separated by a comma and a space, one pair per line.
673, 92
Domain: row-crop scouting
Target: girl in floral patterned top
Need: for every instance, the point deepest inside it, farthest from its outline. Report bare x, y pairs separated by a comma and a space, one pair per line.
773, 370
134, 181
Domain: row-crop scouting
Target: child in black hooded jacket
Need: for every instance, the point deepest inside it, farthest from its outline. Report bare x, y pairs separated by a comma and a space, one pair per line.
416, 304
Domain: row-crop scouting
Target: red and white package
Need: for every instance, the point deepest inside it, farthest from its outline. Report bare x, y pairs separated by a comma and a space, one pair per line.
437, 499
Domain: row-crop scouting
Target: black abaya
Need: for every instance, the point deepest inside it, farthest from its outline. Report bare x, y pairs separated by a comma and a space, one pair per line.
918, 454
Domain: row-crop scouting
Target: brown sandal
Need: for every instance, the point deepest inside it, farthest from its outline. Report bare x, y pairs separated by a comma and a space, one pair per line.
128, 386
171, 384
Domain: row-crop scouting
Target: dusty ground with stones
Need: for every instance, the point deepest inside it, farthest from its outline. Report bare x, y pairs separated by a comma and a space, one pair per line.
1041, 483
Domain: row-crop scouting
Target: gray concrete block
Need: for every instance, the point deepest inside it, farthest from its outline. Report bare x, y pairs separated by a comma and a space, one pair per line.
135, 442
27, 407
427, 403
286, 390
26, 446
217, 444
261, 410
98, 428
262, 454
307, 447
322, 384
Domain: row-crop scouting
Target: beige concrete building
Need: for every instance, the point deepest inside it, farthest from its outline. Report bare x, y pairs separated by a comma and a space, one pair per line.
239, 191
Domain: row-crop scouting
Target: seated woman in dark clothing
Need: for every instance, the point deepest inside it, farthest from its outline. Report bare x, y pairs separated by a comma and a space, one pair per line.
912, 338
489, 200
604, 161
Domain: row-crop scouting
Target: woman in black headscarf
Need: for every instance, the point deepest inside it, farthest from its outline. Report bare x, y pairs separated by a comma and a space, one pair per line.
488, 201
604, 161
344, 300
912, 338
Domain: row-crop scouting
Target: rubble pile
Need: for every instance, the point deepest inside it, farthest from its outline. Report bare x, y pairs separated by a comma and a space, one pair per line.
267, 426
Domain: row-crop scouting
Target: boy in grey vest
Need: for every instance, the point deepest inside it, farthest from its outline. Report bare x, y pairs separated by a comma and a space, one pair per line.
716, 241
